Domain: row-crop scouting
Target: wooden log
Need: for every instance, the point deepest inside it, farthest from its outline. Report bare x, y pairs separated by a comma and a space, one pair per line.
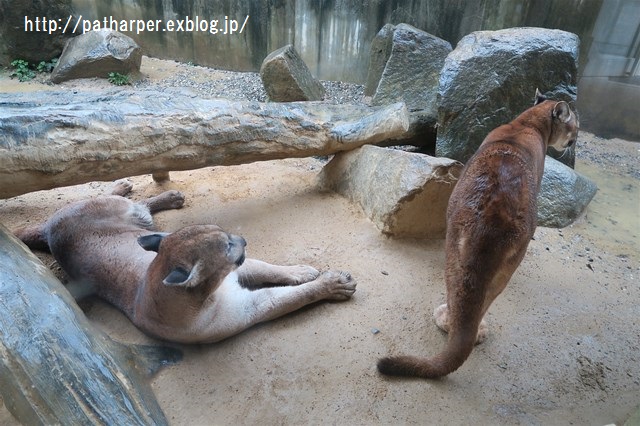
63, 139
55, 367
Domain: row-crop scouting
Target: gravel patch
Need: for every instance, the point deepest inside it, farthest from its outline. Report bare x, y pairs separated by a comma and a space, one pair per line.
618, 156
242, 86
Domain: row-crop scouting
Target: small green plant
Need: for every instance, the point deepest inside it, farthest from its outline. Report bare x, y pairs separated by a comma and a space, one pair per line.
22, 70
118, 79
47, 66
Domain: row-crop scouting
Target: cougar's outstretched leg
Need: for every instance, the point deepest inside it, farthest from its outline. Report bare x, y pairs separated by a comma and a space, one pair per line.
166, 201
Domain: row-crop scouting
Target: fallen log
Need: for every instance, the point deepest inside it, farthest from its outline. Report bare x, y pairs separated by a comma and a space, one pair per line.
59, 138
55, 366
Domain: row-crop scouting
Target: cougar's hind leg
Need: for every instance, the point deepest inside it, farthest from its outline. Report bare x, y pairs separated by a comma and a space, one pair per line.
33, 236
122, 188
166, 201
441, 317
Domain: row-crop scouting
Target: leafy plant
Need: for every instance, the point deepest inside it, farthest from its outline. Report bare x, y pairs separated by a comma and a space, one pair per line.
22, 70
118, 79
47, 66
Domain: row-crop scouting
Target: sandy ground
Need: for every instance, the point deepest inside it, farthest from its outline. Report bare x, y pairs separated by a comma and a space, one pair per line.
564, 336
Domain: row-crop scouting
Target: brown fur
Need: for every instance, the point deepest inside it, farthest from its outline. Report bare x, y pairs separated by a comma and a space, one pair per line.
491, 218
190, 286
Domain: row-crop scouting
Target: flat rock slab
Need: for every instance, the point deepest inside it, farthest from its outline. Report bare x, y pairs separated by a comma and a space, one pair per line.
63, 139
405, 194
96, 54
286, 78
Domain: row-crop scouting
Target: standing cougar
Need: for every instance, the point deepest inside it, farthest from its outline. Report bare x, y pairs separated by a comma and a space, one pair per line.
491, 218
190, 286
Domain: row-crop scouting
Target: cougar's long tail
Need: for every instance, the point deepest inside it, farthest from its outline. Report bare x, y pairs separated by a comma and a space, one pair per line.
464, 316
456, 352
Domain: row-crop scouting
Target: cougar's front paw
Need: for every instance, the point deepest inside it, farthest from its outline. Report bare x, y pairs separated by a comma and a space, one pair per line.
300, 274
339, 285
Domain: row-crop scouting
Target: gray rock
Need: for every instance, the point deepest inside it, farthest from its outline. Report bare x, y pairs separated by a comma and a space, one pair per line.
31, 45
405, 66
412, 71
405, 194
287, 78
564, 195
491, 77
96, 54
65, 138
380, 52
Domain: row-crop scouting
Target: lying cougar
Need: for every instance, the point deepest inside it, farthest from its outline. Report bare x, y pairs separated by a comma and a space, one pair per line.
190, 286
491, 218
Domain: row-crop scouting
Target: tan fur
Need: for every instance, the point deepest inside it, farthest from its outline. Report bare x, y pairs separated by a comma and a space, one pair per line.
491, 218
197, 288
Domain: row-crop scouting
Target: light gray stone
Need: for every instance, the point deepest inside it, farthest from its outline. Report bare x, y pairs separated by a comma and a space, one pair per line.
564, 195
405, 194
286, 78
491, 77
405, 66
67, 138
96, 54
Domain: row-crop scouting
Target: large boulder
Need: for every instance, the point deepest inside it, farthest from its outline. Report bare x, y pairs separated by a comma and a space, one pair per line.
96, 54
22, 37
67, 138
405, 66
491, 77
564, 195
286, 78
405, 194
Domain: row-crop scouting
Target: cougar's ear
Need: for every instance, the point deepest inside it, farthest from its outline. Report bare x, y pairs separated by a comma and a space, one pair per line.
152, 242
562, 112
183, 278
539, 97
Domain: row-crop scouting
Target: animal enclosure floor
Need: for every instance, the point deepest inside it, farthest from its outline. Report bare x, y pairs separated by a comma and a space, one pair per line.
564, 336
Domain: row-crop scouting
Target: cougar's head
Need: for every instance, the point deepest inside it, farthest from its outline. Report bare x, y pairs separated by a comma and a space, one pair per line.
564, 127
564, 124
195, 255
